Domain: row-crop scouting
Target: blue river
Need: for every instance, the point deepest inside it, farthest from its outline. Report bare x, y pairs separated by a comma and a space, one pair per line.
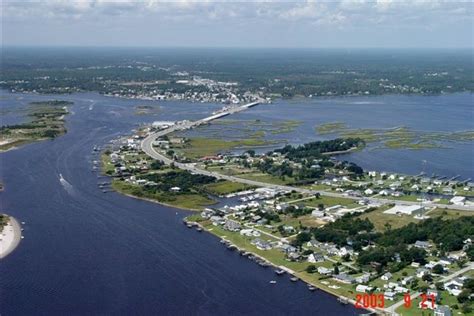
90, 253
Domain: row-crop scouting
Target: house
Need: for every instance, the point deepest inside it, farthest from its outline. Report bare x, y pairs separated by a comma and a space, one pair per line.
420, 272
317, 213
364, 278
232, 225
422, 244
175, 189
363, 288
407, 280
324, 271
344, 278
445, 261
405, 210
293, 256
346, 250
389, 295
315, 257
260, 244
368, 192
454, 287
386, 276
442, 310
458, 200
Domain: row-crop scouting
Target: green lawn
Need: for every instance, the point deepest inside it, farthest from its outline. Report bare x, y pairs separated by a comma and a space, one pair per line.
226, 187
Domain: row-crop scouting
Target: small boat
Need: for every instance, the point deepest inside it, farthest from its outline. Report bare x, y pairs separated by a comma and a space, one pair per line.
343, 301
311, 288
280, 272
294, 279
273, 281
189, 225
222, 241
263, 264
23, 223
199, 229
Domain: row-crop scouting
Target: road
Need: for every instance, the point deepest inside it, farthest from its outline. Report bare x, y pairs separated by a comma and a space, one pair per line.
391, 309
147, 147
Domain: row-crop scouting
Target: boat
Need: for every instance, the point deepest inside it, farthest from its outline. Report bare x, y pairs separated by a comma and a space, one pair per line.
199, 229
311, 288
222, 241
294, 279
189, 225
273, 281
343, 301
280, 272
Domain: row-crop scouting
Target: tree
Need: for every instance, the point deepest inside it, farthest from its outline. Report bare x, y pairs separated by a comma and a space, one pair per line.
463, 296
438, 269
336, 269
311, 268
346, 257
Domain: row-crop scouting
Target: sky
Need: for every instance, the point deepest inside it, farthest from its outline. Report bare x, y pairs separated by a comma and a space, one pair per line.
315, 24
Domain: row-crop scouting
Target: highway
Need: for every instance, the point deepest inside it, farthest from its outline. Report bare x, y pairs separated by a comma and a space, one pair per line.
147, 147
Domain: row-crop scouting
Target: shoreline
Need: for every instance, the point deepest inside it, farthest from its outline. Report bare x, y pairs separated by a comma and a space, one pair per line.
11, 237
289, 271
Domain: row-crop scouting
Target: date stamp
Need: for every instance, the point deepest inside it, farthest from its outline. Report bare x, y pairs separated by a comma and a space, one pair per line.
374, 300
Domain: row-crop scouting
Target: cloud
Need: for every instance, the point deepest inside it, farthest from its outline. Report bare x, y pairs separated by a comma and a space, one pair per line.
240, 21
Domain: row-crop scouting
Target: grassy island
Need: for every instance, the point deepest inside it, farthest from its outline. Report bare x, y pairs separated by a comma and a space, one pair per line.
46, 121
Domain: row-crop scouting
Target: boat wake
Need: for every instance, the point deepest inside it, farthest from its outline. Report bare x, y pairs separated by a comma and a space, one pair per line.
66, 185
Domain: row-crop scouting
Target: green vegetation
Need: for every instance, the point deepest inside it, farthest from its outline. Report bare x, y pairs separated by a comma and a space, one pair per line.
146, 109
187, 200
3, 221
398, 137
273, 73
46, 122
195, 148
226, 187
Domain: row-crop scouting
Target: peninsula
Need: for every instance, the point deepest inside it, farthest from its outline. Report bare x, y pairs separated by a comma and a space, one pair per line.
350, 232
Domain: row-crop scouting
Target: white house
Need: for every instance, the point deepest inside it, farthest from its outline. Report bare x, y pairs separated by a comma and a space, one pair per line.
363, 288
458, 200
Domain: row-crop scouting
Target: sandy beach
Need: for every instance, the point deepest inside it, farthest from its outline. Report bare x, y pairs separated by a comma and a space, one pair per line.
10, 237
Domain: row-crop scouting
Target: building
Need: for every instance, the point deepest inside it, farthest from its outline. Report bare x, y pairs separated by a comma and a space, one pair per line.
315, 257
442, 310
232, 225
363, 288
405, 210
386, 276
344, 278
458, 200
324, 271
422, 244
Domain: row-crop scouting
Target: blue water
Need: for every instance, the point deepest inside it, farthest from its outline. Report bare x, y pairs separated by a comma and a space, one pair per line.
90, 253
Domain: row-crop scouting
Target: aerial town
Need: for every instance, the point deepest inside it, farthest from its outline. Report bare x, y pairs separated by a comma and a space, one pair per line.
357, 234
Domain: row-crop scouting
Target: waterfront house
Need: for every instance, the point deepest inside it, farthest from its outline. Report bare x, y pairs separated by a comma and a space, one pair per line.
363, 288
344, 278
232, 225
260, 244
315, 257
324, 271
